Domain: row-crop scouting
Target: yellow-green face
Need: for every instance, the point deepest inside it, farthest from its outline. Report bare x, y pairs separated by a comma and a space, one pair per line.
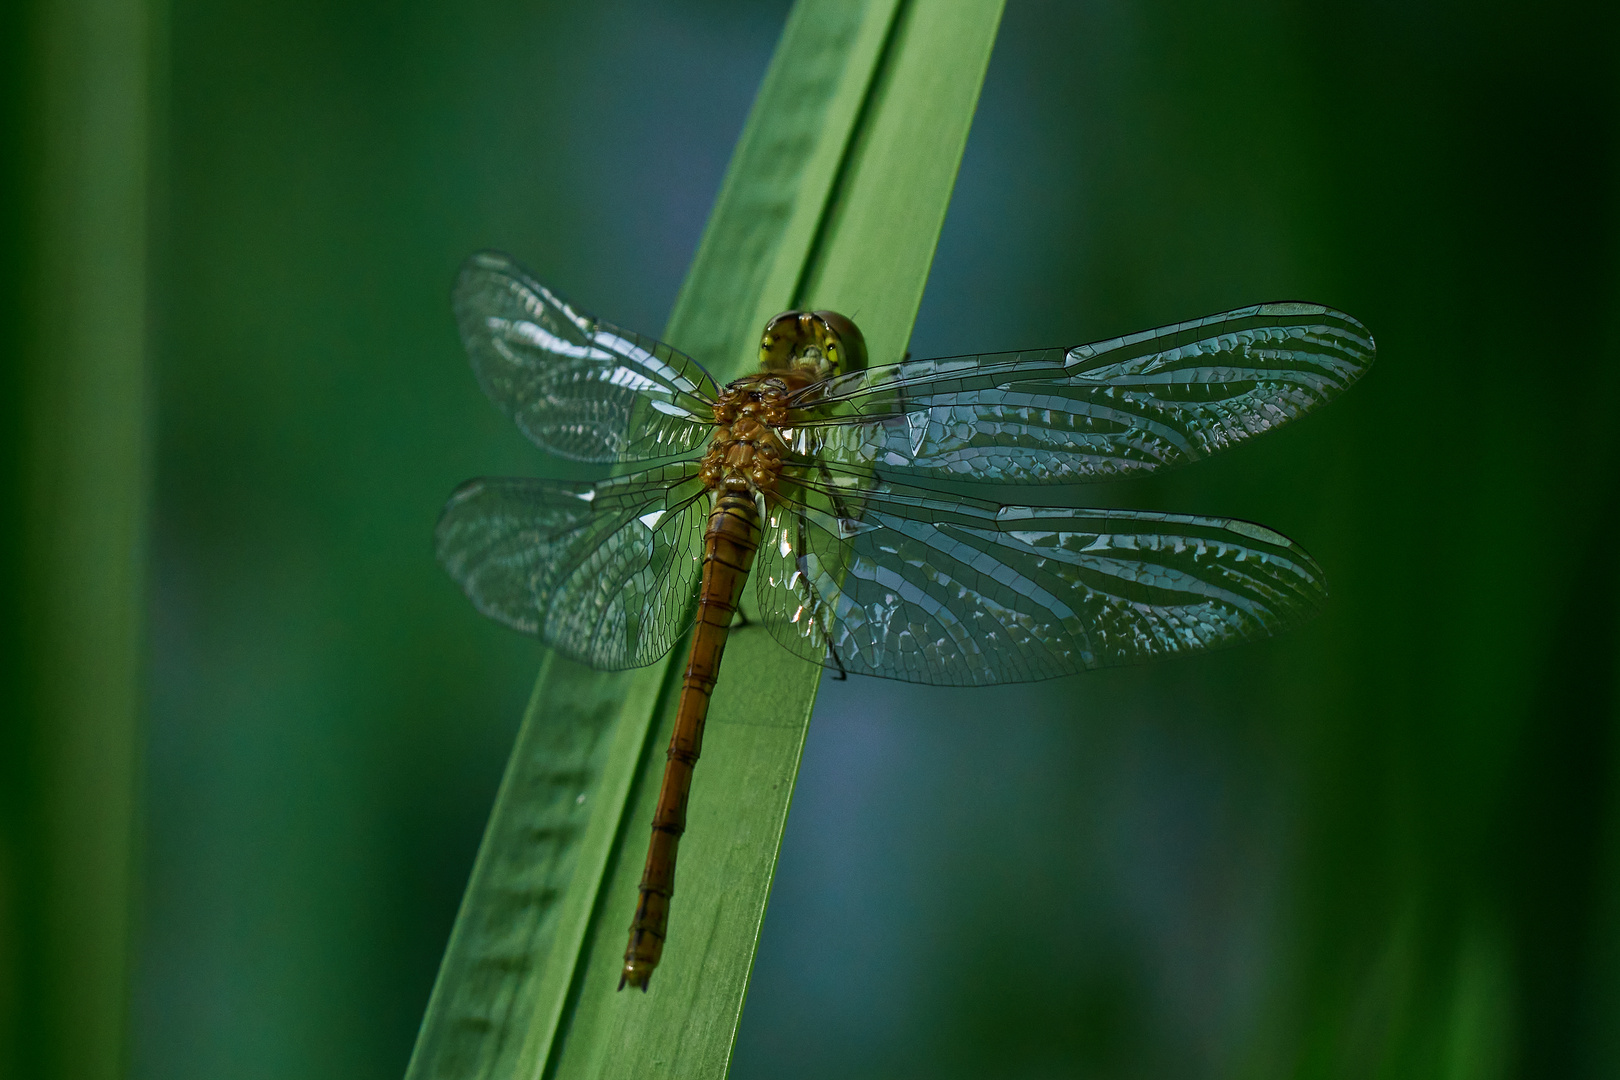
811, 344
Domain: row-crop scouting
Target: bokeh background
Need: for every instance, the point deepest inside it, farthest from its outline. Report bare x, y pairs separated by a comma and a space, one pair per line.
1387, 845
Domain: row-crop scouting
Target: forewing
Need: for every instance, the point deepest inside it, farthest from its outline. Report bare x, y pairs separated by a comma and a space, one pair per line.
1116, 408
894, 583
578, 387
604, 573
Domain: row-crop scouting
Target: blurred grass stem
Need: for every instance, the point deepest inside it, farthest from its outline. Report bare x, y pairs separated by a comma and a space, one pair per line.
67, 815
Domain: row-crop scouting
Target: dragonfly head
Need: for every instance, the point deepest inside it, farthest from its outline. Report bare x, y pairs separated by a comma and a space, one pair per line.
815, 344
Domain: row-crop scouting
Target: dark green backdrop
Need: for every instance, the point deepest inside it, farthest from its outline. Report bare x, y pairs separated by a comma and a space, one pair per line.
1385, 846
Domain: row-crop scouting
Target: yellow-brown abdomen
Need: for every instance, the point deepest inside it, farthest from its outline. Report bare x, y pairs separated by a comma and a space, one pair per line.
729, 544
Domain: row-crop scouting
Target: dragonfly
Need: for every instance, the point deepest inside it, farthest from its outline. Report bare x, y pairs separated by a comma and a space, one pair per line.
846, 492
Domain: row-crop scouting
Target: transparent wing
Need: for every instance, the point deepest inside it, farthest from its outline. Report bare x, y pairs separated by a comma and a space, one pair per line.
604, 573
577, 387
897, 583
1121, 407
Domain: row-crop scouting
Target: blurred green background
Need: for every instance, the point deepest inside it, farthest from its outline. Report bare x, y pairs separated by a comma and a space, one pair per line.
1387, 845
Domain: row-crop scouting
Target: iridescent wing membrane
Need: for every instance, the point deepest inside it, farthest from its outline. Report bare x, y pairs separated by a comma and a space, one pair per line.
884, 579
580, 388
858, 568
1095, 412
604, 572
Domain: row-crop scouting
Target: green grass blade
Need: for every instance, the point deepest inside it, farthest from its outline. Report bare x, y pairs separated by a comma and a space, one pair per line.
69, 742
834, 198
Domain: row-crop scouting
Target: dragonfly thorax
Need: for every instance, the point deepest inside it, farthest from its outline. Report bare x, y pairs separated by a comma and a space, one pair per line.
745, 452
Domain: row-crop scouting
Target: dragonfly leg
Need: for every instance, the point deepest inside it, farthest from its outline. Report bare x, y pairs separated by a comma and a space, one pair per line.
839, 664
809, 594
832, 493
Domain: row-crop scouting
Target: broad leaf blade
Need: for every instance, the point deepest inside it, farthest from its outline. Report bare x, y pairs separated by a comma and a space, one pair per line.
834, 198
